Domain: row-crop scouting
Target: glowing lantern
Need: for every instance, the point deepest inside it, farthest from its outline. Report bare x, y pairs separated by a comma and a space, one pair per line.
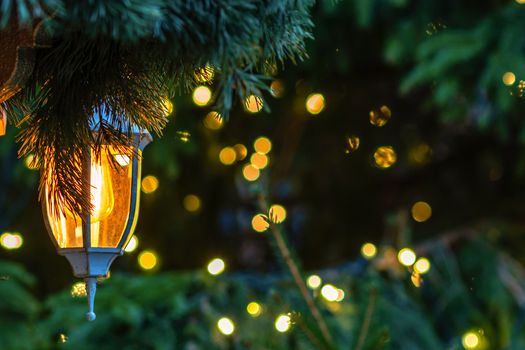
92, 240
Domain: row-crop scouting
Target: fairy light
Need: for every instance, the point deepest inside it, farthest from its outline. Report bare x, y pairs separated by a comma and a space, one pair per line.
11, 241
241, 151
277, 88
78, 290
226, 326
227, 156
147, 260
421, 211
201, 95
213, 121
259, 160
216, 266
250, 172
277, 213
192, 203
329, 292
205, 75
30, 162
253, 104
132, 244
315, 103
149, 184
314, 281
422, 265
509, 78
385, 157
368, 250
283, 323
470, 340
254, 309
167, 106
259, 223
262, 145
406, 257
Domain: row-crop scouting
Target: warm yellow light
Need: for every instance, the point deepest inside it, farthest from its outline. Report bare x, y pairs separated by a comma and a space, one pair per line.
277, 88
147, 260
416, 279
421, 211
122, 159
352, 144
329, 292
192, 203
201, 95
254, 309
262, 145
385, 157
253, 104
314, 281
380, 117
283, 323
183, 135
101, 194
216, 266
277, 213
149, 184
205, 75
509, 78
132, 244
167, 106
227, 156
470, 340
240, 151
259, 223
259, 160
62, 338
520, 1
226, 326
368, 250
315, 103
340, 295
422, 265
11, 241
30, 162
78, 290
250, 172
406, 256
213, 121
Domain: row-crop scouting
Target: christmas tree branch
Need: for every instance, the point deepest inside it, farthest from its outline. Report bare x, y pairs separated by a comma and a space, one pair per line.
368, 318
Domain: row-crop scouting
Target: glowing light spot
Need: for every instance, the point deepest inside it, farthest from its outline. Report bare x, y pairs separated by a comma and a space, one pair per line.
385, 157
416, 279
420, 154
277, 88
340, 295
250, 172
470, 340
254, 309
167, 106
213, 121
259, 223
421, 211
78, 290
283, 323
149, 184
216, 266
277, 213
262, 145
329, 292
520, 1
227, 156
422, 266
368, 250
315, 103
201, 95
509, 78
30, 162
122, 159
147, 260
62, 338
183, 135
406, 256
253, 104
192, 203
314, 281
259, 160
240, 151
352, 144
226, 326
11, 241
132, 244
380, 117
205, 75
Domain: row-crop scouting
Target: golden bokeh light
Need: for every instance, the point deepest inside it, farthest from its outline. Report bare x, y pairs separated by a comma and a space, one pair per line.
227, 156
226, 326
277, 213
422, 266
213, 121
380, 117
62, 338
11, 241
167, 106
149, 184
420, 154
241, 151
78, 290
259, 160
192, 203
259, 223
253, 104
315, 103
330, 293
277, 88
30, 162
416, 279
314, 281
385, 157
262, 145
147, 260
352, 144
283, 323
254, 309
368, 250
406, 257
132, 244
216, 266
205, 75
509, 78
183, 135
470, 340
520, 1
250, 172
340, 295
421, 211
201, 95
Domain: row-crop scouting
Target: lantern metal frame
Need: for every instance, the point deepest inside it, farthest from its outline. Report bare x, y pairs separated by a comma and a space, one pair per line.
90, 262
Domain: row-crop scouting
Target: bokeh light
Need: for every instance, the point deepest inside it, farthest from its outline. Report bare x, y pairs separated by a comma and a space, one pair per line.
470, 340
352, 144
368, 250
329, 292
205, 75
277, 213
78, 290
259, 223
253, 104
250, 172
183, 135
30, 162
385, 157
213, 121
314, 281
422, 265
201, 95
406, 256
421, 211
380, 117
277, 88
149, 184
254, 309
262, 145
315, 103
192, 203
11, 241
216, 266
147, 260
227, 156
167, 106
241, 151
416, 279
283, 323
132, 244
509, 78
259, 160
226, 326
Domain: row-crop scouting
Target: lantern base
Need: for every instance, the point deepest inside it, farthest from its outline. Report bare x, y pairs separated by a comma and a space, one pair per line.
90, 262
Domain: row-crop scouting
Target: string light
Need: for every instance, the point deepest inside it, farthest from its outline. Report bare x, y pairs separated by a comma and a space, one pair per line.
132, 244
149, 184
416, 279
509, 78
167, 106
385, 157
329, 292
183, 135
78, 290
470, 340
406, 257
314, 281
201, 95
277, 88
380, 117
192, 203
147, 260
283, 323
262, 145
226, 326
240, 151
421, 211
259, 223
213, 121
352, 144
250, 172
253, 104
277, 213
254, 309
62, 338
11, 241
30, 162
227, 156
422, 265
216, 266
205, 75
315, 103
259, 160
368, 250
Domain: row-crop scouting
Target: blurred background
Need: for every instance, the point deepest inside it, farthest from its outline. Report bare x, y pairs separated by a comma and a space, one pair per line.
399, 141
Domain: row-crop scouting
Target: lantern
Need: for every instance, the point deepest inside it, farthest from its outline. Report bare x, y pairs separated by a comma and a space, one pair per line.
92, 240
